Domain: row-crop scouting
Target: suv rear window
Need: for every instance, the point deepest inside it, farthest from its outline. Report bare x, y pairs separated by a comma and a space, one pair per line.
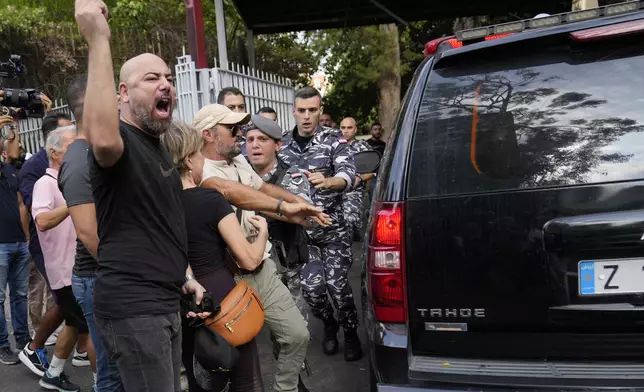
552, 118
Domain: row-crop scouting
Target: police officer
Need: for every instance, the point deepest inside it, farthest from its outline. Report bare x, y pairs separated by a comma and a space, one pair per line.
324, 155
352, 204
263, 140
290, 241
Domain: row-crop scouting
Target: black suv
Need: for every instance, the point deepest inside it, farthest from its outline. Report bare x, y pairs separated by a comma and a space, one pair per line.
506, 241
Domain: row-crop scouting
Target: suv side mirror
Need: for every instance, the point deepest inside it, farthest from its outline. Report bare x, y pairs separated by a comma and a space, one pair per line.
367, 161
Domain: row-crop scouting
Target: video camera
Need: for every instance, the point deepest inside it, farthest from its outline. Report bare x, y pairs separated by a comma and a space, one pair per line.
26, 99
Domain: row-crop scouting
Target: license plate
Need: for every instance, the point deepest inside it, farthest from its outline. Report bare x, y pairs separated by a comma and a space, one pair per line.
606, 277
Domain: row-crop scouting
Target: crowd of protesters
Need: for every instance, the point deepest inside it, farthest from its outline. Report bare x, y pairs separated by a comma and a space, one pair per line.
126, 217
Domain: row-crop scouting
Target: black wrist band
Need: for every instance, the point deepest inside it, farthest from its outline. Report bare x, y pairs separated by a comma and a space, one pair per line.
279, 205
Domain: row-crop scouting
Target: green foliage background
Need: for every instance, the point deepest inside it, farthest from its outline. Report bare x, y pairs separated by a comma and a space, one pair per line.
45, 34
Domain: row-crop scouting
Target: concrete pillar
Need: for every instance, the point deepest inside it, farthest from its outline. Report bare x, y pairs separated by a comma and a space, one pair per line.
250, 46
221, 34
578, 5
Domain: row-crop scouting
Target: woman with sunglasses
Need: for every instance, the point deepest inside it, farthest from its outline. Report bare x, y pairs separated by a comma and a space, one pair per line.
212, 227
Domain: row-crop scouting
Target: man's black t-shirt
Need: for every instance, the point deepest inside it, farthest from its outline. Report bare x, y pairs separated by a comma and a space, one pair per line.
141, 225
74, 183
10, 224
206, 247
302, 141
377, 145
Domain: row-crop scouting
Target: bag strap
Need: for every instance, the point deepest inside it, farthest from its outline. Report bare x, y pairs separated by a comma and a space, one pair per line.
238, 211
238, 214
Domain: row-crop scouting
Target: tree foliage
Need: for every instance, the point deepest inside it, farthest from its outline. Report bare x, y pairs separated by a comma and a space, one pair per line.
33, 34
357, 57
45, 34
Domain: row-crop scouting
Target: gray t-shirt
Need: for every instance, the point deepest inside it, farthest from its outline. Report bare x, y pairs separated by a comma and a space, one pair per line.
73, 181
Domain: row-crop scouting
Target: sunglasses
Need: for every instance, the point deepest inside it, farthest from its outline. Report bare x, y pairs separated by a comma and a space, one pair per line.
234, 129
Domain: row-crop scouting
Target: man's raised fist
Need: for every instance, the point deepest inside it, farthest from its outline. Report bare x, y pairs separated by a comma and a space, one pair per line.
91, 16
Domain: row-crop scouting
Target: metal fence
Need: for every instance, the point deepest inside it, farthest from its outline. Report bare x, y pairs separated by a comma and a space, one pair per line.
199, 87
30, 128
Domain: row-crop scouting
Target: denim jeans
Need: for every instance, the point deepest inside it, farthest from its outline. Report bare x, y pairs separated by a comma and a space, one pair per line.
107, 374
147, 351
14, 270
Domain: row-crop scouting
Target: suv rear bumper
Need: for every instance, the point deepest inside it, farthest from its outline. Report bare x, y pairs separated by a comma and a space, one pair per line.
527, 373
388, 353
395, 371
404, 388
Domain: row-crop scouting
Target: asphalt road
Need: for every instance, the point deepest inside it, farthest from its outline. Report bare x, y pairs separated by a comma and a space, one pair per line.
328, 374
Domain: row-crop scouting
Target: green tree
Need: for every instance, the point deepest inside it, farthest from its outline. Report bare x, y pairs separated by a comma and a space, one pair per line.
359, 60
45, 34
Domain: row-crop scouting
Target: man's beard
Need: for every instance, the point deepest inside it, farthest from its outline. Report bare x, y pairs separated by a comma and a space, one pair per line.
152, 126
229, 153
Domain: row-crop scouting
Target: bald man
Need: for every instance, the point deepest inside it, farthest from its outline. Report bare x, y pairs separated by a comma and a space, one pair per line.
143, 264
140, 218
352, 202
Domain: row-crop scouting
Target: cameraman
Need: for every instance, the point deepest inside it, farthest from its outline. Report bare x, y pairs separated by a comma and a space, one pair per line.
10, 140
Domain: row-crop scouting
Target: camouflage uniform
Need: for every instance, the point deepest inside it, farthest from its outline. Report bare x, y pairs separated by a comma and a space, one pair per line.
296, 182
352, 204
330, 258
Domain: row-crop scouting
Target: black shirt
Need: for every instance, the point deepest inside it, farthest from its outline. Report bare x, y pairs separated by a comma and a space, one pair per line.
142, 230
206, 247
377, 145
73, 181
302, 141
10, 224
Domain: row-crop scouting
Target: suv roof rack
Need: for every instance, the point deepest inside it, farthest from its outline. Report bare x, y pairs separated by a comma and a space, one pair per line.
550, 20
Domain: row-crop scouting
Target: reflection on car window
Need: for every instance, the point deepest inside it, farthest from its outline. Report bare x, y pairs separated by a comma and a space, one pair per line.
526, 126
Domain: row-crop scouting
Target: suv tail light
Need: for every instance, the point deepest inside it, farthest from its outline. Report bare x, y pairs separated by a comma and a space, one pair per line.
432, 46
386, 263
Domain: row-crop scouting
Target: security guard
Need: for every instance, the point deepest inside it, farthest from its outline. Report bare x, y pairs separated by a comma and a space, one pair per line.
324, 155
353, 200
263, 139
290, 241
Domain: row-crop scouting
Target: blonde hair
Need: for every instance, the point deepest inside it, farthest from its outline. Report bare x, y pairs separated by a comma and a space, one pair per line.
182, 141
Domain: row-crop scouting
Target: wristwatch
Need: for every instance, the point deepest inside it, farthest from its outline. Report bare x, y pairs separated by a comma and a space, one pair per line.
189, 278
279, 207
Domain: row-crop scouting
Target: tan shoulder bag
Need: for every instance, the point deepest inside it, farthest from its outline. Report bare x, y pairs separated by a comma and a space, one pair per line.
241, 316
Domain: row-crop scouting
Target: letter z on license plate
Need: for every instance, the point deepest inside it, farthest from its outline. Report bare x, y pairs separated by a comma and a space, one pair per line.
606, 277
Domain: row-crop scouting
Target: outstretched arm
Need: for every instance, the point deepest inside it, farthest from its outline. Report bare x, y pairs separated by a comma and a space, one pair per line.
247, 198
101, 119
